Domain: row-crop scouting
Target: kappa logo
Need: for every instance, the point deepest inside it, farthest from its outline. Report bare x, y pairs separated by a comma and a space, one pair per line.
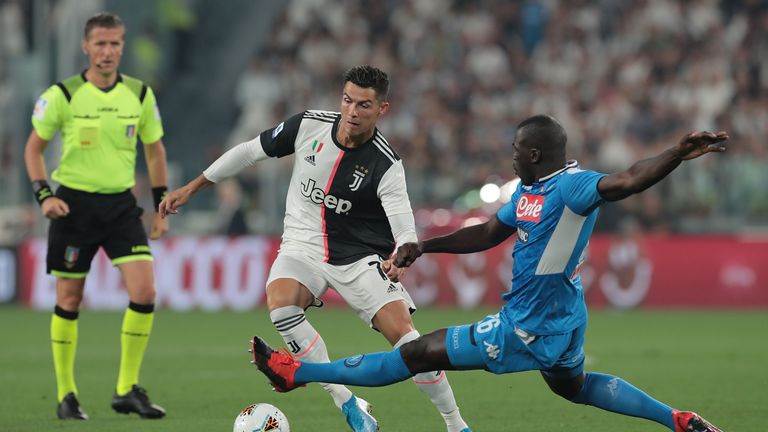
358, 176
310, 159
613, 386
491, 350
318, 196
529, 207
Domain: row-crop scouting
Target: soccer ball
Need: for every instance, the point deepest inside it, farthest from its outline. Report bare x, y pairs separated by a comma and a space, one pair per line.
261, 417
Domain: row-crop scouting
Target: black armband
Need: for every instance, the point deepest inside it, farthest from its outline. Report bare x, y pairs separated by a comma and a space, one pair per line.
42, 190
158, 194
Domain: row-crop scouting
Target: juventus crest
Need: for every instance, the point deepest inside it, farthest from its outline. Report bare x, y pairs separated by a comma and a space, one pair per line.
357, 177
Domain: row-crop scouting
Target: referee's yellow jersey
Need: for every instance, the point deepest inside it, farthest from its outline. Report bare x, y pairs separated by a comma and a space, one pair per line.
98, 129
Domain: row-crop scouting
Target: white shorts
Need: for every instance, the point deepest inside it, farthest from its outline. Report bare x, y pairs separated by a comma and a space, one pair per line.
362, 284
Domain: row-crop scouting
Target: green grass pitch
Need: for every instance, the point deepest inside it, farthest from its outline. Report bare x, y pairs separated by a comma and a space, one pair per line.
714, 362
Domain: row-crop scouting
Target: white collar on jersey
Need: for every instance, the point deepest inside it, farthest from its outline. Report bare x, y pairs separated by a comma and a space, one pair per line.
570, 164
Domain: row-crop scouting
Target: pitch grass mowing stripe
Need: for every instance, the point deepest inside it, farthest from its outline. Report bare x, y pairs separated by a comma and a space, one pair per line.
197, 368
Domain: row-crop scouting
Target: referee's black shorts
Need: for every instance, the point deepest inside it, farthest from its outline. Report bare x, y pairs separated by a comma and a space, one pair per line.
111, 221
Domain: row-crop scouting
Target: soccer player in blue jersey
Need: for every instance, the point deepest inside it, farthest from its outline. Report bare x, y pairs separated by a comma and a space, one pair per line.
541, 326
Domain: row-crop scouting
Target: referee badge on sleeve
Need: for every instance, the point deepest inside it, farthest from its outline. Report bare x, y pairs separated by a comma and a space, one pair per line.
40, 107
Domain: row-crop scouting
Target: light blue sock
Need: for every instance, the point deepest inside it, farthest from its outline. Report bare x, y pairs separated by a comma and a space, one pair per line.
367, 370
614, 394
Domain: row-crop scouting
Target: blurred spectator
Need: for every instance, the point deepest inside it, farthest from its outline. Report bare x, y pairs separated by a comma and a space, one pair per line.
147, 57
625, 78
177, 17
230, 216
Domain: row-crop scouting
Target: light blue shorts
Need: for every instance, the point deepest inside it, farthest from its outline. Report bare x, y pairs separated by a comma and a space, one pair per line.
494, 344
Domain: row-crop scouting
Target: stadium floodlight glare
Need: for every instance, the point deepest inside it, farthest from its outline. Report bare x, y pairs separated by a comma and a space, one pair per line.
490, 193
474, 220
507, 189
441, 217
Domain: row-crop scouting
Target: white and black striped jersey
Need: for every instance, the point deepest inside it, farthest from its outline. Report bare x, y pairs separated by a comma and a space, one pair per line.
339, 198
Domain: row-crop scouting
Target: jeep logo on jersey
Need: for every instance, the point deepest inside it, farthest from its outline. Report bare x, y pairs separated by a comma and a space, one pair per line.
358, 176
529, 207
318, 196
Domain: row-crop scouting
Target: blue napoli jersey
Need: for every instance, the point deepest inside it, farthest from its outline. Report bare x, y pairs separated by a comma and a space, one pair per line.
554, 218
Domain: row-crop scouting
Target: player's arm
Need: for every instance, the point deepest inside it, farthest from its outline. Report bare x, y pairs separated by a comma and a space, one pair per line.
469, 239
51, 206
393, 193
227, 165
275, 142
157, 167
647, 172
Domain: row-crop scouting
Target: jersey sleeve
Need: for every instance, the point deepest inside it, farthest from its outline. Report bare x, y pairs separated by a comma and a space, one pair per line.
579, 190
235, 160
150, 123
392, 191
48, 113
508, 213
280, 140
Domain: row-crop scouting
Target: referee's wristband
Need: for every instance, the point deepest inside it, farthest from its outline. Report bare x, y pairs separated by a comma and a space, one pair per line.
158, 193
42, 190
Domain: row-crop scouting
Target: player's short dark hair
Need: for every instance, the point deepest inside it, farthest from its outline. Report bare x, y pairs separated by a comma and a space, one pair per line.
367, 76
545, 132
102, 19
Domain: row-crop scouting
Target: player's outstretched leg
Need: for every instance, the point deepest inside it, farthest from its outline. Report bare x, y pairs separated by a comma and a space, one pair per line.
435, 385
612, 393
306, 343
279, 366
688, 421
366, 370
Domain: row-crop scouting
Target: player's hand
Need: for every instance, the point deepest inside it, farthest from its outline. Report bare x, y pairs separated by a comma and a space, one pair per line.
696, 144
393, 272
54, 208
407, 254
174, 200
159, 226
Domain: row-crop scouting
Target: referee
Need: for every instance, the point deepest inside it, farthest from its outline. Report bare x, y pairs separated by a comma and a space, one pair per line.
100, 113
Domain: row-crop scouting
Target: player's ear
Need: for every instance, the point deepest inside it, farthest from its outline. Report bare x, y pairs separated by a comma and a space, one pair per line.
535, 155
83, 45
383, 107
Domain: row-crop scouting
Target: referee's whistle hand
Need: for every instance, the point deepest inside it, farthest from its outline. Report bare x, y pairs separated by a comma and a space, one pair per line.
54, 208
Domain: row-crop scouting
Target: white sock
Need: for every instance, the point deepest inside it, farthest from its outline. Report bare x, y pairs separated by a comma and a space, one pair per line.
435, 385
306, 344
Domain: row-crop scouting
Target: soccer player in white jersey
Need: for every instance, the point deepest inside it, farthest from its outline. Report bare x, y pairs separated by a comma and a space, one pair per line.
542, 324
347, 210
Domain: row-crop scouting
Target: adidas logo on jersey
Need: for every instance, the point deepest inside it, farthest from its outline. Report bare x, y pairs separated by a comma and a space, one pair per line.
310, 159
318, 196
392, 288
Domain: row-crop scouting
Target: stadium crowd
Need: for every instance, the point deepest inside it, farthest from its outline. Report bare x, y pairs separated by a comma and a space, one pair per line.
625, 78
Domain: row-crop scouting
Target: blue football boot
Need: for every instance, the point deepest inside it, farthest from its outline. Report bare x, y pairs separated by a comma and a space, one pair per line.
358, 414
